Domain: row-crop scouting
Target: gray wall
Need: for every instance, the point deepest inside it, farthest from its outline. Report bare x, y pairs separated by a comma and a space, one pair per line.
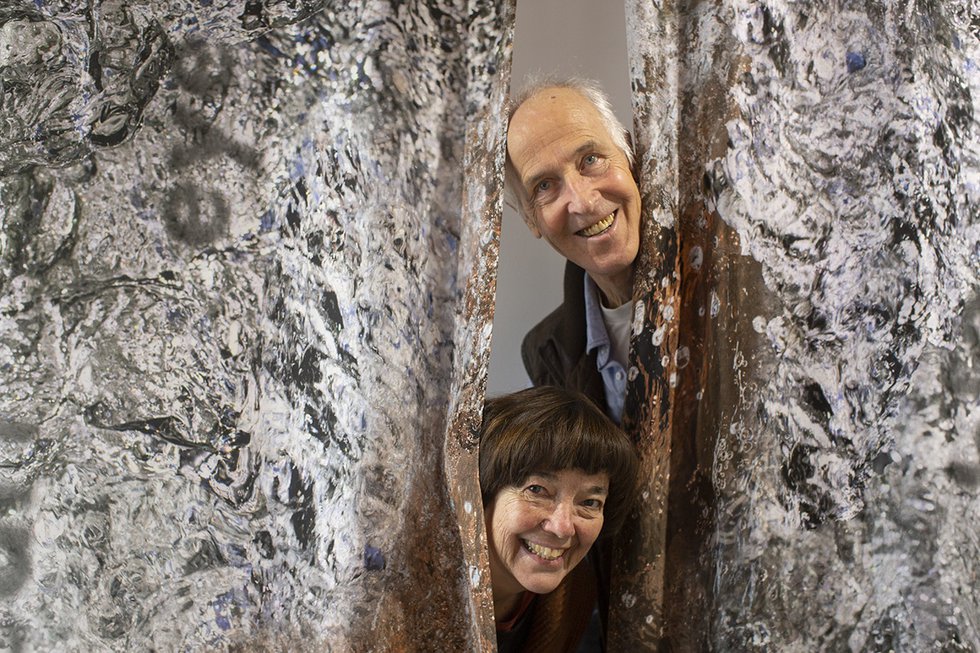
565, 37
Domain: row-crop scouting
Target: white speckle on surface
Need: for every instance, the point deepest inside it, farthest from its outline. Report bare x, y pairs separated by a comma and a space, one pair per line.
657, 338
639, 310
696, 257
682, 357
628, 600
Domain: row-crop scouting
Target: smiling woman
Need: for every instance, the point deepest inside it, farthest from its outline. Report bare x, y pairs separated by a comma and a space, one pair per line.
556, 475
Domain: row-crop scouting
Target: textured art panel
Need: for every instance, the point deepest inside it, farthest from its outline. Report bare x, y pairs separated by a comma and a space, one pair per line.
820, 389
853, 177
243, 258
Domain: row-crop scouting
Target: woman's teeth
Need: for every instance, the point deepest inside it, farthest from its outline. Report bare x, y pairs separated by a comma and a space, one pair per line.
599, 226
543, 551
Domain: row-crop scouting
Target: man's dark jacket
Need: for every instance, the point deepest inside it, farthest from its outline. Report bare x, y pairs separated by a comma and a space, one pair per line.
554, 350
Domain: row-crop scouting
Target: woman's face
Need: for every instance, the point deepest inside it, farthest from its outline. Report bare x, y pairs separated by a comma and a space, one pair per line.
539, 530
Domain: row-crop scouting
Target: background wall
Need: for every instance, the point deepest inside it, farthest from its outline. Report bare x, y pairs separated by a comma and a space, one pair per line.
564, 37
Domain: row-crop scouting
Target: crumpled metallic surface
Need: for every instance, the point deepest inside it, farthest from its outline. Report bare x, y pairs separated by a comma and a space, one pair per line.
236, 256
821, 389
853, 177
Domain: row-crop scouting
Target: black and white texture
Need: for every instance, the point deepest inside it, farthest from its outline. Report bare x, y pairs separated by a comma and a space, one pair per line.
836, 241
234, 256
853, 178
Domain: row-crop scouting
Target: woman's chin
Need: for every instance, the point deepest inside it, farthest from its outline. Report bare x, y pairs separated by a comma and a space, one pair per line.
542, 582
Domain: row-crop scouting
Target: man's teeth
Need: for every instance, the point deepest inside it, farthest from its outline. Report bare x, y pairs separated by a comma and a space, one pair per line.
543, 551
599, 226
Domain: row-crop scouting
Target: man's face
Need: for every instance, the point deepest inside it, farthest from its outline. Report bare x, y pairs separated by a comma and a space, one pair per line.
580, 192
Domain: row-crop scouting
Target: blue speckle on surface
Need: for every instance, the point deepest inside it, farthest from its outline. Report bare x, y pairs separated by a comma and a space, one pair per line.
220, 605
267, 222
297, 169
855, 62
266, 45
374, 560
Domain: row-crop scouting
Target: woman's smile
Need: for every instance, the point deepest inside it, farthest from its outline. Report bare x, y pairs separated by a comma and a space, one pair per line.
546, 553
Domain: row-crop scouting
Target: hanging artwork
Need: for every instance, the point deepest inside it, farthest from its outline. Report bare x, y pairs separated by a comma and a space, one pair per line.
247, 261
805, 383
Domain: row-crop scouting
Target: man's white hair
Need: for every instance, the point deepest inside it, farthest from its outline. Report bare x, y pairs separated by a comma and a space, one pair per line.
589, 89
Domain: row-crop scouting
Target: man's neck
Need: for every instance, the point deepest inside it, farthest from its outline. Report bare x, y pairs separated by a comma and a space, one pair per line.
614, 292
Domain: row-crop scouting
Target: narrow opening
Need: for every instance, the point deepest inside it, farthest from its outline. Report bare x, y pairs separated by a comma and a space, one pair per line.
563, 37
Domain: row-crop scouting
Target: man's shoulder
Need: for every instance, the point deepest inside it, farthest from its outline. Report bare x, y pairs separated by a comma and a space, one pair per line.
553, 346
546, 328
555, 324
540, 349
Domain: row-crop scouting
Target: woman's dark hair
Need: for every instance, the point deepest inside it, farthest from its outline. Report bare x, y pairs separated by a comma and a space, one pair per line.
550, 429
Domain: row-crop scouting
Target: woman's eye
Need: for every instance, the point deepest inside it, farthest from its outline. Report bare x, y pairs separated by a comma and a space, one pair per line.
535, 489
591, 160
595, 504
542, 187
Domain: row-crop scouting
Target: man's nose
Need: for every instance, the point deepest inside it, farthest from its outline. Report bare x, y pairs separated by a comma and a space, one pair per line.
581, 194
561, 521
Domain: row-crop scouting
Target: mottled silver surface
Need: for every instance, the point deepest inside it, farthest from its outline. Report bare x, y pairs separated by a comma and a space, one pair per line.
848, 494
820, 166
636, 617
233, 266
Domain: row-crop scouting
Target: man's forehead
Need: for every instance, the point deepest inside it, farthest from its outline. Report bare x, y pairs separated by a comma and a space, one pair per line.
549, 106
556, 95
553, 116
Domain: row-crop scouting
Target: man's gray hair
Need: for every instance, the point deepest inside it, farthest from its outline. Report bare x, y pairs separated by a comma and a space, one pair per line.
591, 91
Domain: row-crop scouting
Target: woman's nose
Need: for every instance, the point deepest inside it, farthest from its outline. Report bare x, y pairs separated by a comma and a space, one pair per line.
561, 521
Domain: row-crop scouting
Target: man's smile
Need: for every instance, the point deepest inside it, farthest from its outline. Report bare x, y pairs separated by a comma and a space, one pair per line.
598, 227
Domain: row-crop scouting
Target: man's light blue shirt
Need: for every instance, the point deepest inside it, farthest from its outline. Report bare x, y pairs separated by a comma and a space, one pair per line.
597, 338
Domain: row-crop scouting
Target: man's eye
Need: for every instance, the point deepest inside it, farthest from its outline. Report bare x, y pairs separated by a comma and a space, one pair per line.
591, 159
542, 186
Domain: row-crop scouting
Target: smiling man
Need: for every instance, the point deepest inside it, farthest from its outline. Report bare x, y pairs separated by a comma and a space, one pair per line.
570, 174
